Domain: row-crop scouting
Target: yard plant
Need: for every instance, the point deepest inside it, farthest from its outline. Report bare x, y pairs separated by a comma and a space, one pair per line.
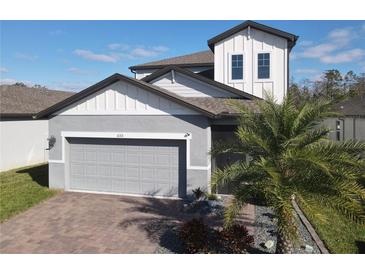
290, 156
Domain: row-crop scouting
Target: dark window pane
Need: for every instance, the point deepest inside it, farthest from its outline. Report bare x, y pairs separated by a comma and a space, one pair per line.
237, 67
264, 73
263, 65
237, 73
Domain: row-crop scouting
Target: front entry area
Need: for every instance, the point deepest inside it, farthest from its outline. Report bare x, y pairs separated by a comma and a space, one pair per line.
128, 166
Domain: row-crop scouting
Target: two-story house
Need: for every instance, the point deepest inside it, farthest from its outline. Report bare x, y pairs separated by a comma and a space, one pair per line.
151, 135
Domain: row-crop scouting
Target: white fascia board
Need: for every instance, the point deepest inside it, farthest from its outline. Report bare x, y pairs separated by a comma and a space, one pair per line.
127, 135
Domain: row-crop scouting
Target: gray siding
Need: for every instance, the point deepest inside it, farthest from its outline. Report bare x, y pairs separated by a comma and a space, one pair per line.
352, 128
198, 126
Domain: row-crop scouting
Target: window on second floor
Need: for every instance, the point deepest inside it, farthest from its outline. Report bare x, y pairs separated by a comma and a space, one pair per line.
263, 66
237, 67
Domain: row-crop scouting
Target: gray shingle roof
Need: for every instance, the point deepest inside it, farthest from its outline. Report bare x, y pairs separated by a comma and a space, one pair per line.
221, 106
16, 100
352, 107
201, 58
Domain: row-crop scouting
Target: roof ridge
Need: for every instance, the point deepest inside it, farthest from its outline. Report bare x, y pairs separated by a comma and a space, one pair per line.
199, 58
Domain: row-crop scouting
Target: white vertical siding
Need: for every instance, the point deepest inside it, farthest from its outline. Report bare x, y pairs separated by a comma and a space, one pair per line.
122, 98
250, 46
186, 86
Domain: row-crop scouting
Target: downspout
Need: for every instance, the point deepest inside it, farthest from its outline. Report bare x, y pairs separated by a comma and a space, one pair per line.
343, 128
172, 76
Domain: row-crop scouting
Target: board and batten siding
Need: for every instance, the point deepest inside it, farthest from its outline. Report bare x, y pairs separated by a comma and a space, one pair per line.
250, 43
122, 98
186, 86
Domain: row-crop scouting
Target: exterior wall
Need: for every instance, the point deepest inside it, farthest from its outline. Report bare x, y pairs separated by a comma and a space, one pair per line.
186, 86
23, 143
122, 98
352, 128
139, 74
250, 43
198, 174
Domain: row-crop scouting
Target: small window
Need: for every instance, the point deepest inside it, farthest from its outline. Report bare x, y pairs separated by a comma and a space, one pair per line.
237, 67
338, 130
263, 66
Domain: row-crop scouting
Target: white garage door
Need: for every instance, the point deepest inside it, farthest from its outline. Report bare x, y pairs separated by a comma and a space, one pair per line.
147, 167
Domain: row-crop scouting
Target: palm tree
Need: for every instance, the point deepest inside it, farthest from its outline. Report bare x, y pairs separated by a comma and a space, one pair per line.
291, 156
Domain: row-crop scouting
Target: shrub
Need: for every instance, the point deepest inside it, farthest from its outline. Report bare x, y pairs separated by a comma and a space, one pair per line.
194, 235
235, 239
211, 196
198, 193
197, 237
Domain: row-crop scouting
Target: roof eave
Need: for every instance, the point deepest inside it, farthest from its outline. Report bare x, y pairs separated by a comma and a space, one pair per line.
141, 67
289, 36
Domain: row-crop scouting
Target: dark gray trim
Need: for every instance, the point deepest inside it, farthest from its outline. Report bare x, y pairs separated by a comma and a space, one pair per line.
112, 79
208, 81
16, 116
189, 65
290, 37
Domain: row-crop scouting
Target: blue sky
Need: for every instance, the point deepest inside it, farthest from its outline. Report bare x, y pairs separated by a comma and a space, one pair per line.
71, 55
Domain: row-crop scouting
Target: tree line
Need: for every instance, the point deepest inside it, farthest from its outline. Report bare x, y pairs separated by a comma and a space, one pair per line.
331, 85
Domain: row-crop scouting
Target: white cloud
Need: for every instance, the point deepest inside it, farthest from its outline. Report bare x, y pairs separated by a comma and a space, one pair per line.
10, 81
305, 43
26, 56
3, 70
122, 51
118, 46
148, 52
69, 86
75, 70
89, 55
343, 57
335, 48
318, 51
341, 37
306, 71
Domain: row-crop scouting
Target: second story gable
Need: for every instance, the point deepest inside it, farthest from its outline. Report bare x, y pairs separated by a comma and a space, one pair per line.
250, 57
253, 58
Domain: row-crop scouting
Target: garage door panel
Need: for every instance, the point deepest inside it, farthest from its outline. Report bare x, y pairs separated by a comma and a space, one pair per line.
149, 167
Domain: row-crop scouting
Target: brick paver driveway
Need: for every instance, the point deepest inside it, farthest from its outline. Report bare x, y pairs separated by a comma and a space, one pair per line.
89, 223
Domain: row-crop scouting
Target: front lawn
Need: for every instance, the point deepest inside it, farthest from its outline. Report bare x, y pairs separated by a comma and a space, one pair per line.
339, 234
23, 188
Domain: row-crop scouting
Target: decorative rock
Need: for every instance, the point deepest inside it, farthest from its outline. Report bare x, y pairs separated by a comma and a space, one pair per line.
309, 248
269, 244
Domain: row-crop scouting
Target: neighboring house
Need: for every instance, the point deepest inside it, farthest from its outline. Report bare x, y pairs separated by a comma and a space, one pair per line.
152, 134
351, 125
23, 141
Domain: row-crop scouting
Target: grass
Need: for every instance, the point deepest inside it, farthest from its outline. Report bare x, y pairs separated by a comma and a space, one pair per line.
339, 234
23, 188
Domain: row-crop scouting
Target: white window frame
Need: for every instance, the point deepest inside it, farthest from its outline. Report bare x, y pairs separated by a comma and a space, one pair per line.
244, 62
256, 66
